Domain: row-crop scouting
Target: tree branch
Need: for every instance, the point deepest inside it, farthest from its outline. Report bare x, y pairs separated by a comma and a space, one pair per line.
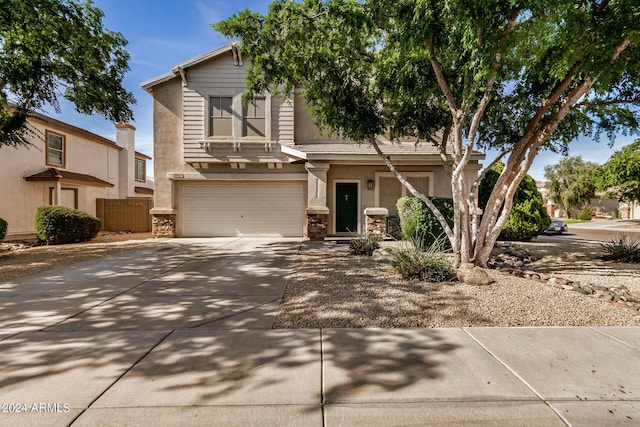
442, 81
608, 103
443, 222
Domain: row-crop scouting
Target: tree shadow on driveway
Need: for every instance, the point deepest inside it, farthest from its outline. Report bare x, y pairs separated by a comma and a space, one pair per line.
161, 342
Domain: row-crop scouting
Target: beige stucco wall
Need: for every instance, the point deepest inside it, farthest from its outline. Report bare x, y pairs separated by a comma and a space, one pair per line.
21, 198
304, 128
167, 143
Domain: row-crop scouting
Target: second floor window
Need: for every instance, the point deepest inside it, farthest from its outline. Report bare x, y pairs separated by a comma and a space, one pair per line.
55, 149
140, 173
254, 118
221, 116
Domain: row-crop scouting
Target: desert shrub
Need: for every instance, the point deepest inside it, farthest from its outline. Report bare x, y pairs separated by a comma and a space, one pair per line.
586, 214
362, 245
419, 224
430, 265
623, 249
526, 220
3, 229
58, 224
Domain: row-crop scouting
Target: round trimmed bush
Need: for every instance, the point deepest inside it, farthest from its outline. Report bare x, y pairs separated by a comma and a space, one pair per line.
3, 229
58, 225
526, 220
528, 217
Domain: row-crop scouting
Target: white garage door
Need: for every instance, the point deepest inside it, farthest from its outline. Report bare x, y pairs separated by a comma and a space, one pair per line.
243, 209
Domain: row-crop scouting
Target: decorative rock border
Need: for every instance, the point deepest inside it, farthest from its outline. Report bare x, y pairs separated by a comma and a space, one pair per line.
512, 260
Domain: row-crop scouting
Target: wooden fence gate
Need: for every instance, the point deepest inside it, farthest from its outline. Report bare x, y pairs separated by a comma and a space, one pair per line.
125, 214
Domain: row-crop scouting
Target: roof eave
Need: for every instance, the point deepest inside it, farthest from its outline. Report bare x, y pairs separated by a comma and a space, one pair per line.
163, 78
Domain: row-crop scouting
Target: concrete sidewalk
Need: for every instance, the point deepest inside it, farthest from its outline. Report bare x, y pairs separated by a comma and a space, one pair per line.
179, 334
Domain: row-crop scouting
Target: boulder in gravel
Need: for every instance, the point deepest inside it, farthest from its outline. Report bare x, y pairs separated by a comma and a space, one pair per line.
473, 275
383, 255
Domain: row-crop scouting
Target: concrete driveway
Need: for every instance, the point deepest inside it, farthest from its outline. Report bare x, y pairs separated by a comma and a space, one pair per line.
179, 334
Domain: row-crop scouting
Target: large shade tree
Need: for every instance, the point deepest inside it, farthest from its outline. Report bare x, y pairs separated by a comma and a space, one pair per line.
620, 175
518, 76
50, 48
571, 183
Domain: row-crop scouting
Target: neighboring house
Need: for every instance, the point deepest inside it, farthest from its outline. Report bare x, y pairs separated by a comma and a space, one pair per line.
68, 166
629, 210
603, 207
222, 169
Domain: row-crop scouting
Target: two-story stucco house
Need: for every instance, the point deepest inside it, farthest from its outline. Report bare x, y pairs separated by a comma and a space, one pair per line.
225, 170
68, 166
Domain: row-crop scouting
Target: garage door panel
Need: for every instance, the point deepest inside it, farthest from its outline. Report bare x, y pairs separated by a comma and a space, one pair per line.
247, 208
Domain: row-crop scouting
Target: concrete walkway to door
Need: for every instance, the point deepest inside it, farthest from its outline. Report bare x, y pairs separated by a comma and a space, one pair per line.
178, 333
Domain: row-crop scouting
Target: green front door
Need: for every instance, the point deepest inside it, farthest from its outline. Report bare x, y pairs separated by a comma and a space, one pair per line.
346, 207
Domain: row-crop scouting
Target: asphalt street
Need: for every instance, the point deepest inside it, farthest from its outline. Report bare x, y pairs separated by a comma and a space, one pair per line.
600, 230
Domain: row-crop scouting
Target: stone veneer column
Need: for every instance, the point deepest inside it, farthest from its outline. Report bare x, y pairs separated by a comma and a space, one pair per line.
376, 222
163, 224
317, 210
317, 220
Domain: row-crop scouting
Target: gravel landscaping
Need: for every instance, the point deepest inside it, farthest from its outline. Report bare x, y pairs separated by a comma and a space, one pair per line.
331, 289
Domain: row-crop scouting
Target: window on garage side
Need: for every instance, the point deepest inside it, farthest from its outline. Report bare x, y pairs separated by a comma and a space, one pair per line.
55, 150
221, 116
140, 171
254, 118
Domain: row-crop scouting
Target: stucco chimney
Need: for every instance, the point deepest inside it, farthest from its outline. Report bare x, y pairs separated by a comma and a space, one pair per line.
125, 138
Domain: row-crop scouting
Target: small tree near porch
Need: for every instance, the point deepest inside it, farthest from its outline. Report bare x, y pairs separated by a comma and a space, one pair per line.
516, 76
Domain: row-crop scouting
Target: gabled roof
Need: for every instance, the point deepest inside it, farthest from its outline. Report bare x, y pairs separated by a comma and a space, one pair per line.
49, 121
175, 70
53, 175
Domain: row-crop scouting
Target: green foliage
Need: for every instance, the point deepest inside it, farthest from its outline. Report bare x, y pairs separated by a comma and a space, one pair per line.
366, 67
623, 249
49, 47
620, 175
363, 245
520, 76
526, 220
419, 224
528, 217
571, 183
58, 225
586, 214
430, 265
3, 229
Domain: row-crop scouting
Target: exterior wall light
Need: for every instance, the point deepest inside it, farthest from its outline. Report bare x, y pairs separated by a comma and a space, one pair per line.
370, 185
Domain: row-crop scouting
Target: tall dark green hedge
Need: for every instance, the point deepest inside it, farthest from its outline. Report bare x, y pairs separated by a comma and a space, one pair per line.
417, 221
3, 229
528, 217
58, 225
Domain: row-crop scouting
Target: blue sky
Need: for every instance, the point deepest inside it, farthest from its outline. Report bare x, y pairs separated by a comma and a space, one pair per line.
162, 33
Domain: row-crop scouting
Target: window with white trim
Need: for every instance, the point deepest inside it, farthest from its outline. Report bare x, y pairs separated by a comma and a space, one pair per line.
220, 116
55, 149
